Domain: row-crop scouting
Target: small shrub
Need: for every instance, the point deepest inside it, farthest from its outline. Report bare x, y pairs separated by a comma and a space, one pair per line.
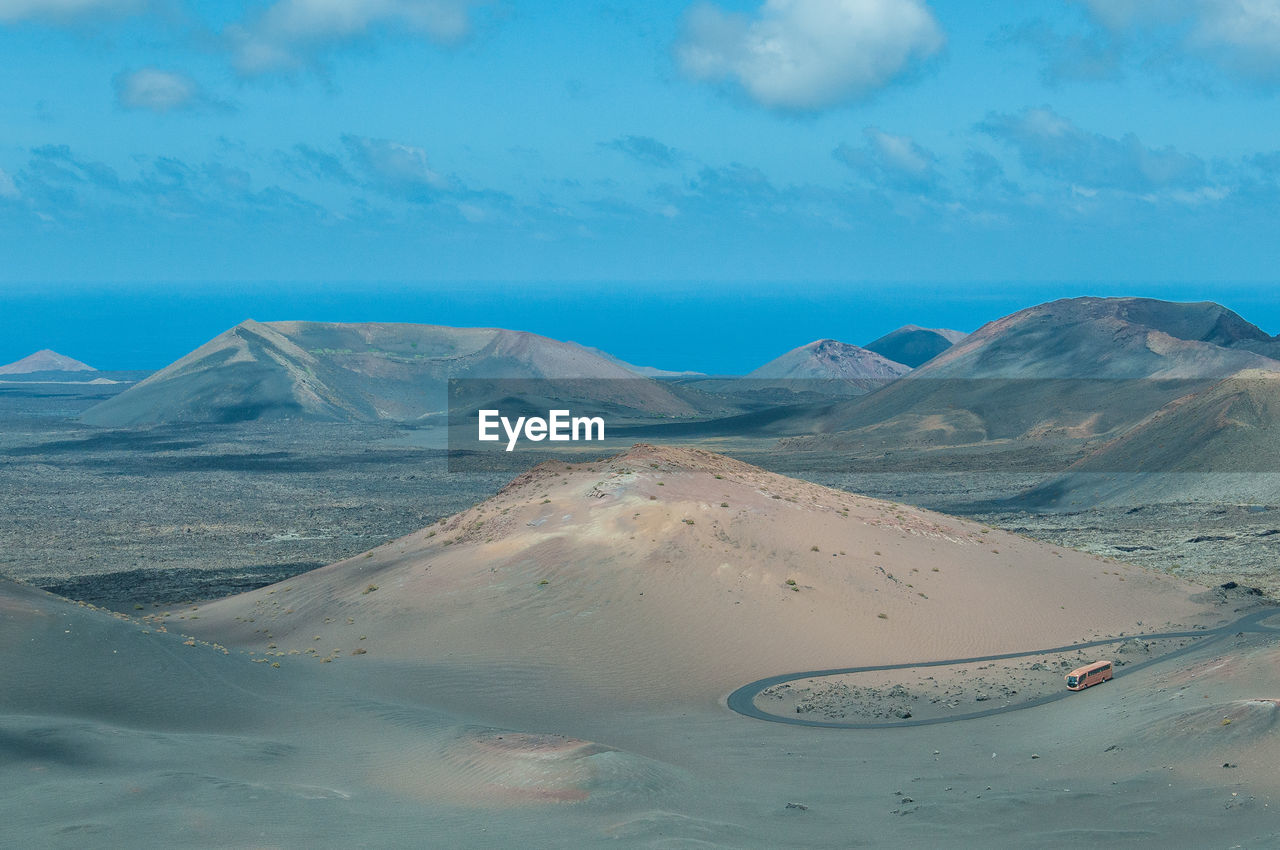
370, 589
791, 582
544, 581
882, 615
813, 548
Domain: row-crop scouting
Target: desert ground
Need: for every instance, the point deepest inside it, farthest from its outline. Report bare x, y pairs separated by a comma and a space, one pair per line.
550, 667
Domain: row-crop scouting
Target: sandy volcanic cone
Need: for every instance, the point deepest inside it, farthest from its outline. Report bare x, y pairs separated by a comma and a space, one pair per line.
668, 574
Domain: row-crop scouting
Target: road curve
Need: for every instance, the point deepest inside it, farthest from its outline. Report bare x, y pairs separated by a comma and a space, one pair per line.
743, 699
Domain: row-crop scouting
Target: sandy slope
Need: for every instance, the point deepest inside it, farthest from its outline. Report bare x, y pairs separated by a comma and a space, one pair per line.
674, 574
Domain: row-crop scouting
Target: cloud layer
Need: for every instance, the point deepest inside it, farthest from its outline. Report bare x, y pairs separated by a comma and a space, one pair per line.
806, 55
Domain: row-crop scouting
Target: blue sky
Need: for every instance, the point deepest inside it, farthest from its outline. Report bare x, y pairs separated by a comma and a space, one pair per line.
1086, 143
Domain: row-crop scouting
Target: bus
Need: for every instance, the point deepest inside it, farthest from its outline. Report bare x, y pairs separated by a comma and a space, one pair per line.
1088, 675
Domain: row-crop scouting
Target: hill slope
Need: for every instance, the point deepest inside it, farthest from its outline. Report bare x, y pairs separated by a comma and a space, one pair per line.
1221, 444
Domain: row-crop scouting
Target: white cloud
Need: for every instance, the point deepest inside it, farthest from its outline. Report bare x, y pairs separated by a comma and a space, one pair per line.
156, 90
290, 33
7, 188
21, 10
809, 54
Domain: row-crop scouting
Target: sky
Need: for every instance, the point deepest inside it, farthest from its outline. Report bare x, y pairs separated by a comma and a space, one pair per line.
801, 164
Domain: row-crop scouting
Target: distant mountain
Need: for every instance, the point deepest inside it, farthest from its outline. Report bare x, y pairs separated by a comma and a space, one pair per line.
830, 360
45, 361
1109, 338
366, 373
913, 345
821, 372
1075, 369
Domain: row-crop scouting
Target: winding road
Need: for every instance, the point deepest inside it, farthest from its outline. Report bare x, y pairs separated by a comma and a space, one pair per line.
743, 699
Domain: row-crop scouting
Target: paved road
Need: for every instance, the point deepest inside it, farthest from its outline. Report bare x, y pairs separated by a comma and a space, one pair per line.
743, 699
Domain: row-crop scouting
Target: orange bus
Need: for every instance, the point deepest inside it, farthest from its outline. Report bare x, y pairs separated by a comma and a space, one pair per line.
1088, 675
